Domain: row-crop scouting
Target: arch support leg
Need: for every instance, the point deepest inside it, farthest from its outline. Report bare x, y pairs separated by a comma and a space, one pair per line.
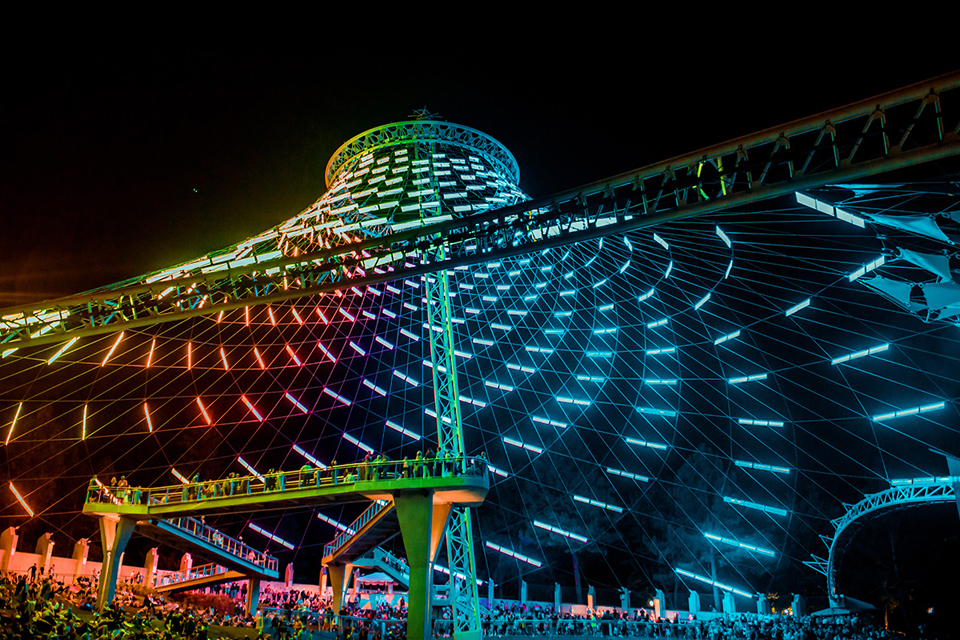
115, 533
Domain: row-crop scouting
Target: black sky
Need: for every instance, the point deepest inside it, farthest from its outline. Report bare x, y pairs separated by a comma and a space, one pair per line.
115, 165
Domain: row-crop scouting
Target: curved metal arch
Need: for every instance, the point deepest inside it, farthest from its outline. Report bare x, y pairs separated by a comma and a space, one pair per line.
902, 497
424, 131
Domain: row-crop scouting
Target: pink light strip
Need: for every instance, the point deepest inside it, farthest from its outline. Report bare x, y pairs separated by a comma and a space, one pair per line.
203, 410
252, 408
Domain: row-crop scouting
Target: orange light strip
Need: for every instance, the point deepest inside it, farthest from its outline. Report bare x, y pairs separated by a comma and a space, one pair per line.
112, 349
21, 500
203, 410
13, 424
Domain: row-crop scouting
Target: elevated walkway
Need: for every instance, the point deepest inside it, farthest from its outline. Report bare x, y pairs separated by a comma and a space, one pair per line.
382, 560
415, 499
204, 541
206, 575
290, 489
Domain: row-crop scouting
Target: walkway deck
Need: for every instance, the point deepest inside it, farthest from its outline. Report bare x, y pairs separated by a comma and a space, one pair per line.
303, 488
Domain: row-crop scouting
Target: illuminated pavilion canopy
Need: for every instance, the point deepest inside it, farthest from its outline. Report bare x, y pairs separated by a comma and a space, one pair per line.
714, 386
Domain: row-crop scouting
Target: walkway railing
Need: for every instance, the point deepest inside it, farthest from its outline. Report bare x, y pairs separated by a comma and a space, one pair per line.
225, 543
375, 509
287, 481
196, 573
386, 560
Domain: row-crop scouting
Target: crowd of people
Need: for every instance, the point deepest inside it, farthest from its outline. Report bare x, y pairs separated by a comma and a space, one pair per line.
39, 607
517, 619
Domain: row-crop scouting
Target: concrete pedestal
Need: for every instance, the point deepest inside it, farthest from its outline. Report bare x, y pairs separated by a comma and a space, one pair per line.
729, 603
150, 567
44, 549
693, 602
81, 549
8, 547
799, 605
763, 606
659, 603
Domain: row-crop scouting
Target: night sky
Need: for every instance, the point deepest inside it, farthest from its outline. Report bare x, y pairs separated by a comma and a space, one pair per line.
116, 165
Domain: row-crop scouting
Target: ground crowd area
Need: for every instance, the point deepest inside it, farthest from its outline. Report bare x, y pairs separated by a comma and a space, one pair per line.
42, 608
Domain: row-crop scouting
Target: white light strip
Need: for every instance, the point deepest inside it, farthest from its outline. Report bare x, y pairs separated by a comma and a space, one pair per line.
557, 530
405, 432
644, 443
797, 307
309, 457
754, 505
336, 396
760, 423
714, 583
517, 443
909, 412
860, 354
350, 438
741, 545
513, 554
269, 535
246, 465
753, 378
341, 527
627, 474
729, 336
597, 503
760, 467
375, 388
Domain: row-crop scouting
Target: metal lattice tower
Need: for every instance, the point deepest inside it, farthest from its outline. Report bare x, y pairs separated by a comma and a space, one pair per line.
443, 156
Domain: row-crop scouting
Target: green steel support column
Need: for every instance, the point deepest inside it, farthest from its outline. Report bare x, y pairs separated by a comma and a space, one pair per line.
421, 525
446, 392
115, 533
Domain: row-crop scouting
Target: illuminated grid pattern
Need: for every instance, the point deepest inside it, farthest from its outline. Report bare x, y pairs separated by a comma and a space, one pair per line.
635, 388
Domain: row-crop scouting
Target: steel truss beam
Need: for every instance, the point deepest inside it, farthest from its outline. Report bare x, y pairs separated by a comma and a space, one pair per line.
913, 125
857, 515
